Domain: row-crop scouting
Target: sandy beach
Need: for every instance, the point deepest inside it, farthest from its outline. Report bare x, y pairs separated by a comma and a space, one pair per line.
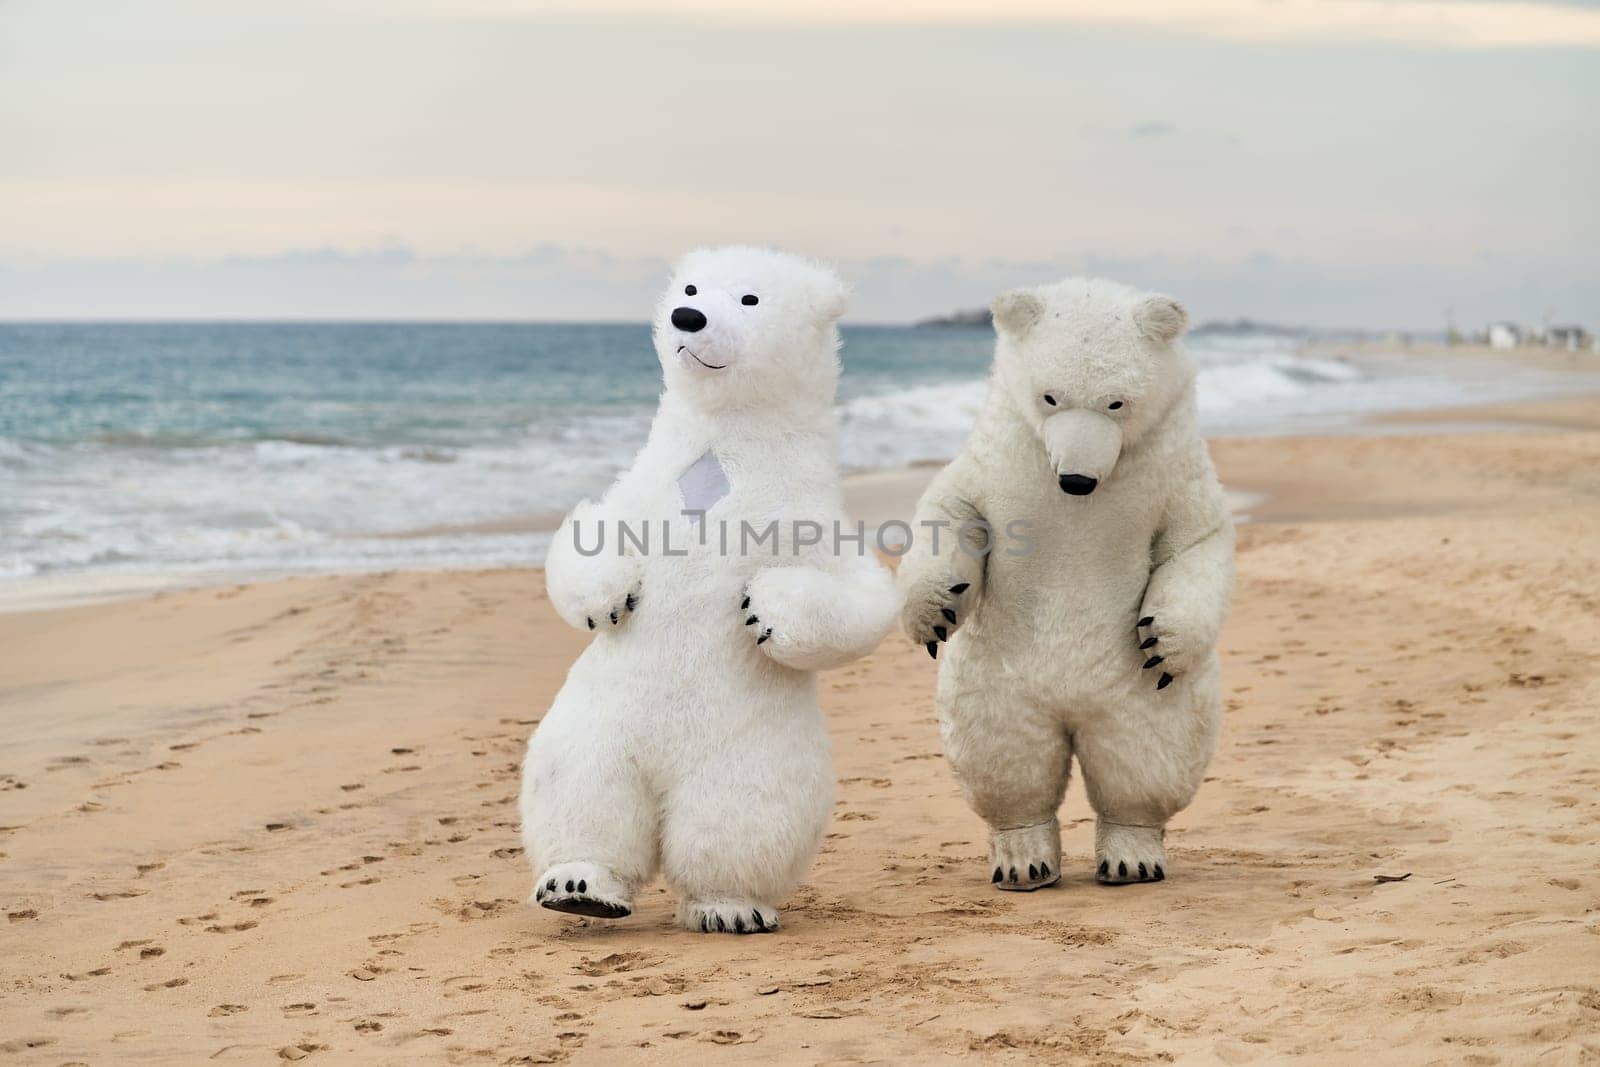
278, 821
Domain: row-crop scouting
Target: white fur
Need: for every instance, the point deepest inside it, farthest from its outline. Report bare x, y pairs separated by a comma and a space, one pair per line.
1046, 662
678, 741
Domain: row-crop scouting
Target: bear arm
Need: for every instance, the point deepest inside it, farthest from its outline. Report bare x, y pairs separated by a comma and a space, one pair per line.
1191, 580
938, 577
947, 505
585, 586
820, 617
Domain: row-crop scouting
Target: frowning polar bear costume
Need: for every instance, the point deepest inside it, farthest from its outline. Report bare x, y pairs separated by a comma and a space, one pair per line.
687, 736
1090, 627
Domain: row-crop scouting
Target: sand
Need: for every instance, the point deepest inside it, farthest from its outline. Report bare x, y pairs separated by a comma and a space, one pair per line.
278, 821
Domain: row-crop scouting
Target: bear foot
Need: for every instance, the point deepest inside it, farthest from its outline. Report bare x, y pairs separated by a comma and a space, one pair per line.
582, 889
1128, 854
728, 917
1027, 858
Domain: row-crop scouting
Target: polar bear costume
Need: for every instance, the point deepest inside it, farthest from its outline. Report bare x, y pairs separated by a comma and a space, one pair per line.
687, 736
1090, 627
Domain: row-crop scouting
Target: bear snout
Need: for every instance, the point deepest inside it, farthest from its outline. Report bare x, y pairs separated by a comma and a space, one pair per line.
1078, 484
688, 320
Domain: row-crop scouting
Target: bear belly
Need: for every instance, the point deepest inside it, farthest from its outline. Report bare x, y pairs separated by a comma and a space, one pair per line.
682, 675
1065, 616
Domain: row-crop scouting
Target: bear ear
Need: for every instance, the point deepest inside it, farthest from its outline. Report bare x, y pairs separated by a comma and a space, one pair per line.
1017, 310
833, 297
1161, 318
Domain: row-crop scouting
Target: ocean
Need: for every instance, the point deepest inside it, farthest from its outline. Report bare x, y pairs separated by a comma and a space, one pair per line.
195, 451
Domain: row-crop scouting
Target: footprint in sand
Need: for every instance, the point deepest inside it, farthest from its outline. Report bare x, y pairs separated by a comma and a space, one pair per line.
616, 963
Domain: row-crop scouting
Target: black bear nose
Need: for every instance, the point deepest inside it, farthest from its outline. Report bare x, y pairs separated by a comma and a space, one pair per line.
688, 320
1078, 484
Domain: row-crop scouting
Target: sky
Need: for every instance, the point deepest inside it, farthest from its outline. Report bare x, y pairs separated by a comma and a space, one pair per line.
1336, 163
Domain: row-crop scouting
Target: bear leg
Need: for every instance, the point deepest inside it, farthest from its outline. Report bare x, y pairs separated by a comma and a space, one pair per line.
740, 831
588, 823
1142, 764
1012, 760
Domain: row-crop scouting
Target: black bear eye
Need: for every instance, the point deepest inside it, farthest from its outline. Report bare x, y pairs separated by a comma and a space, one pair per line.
689, 290
1114, 405
1048, 399
749, 300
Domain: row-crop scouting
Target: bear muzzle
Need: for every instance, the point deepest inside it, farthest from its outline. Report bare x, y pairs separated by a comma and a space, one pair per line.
1083, 447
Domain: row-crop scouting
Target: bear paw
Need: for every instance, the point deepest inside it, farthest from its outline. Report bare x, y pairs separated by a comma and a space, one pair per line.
933, 610
1128, 854
1166, 655
728, 917
590, 592
1027, 858
583, 889
779, 611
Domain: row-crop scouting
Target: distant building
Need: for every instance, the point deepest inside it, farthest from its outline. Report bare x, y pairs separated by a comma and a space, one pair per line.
1504, 335
1572, 338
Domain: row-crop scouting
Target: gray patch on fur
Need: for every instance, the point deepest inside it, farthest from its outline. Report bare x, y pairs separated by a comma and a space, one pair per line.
703, 484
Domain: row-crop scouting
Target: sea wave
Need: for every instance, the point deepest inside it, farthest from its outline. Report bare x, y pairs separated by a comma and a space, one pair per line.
469, 490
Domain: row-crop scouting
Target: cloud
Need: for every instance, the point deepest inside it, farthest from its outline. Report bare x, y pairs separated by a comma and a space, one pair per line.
555, 283
1447, 23
1152, 129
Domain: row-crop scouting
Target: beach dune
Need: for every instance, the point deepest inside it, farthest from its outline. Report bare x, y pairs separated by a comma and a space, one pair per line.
279, 820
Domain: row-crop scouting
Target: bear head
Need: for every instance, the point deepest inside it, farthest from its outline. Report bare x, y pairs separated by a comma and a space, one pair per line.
750, 327
1092, 367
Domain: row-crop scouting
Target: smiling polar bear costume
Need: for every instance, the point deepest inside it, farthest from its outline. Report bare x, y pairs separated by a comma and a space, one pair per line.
687, 736
1098, 638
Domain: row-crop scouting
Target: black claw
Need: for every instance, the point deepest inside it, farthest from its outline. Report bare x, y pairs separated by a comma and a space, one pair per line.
1044, 870
1147, 620
590, 621
539, 895
933, 649
1013, 876
1122, 869
583, 886
1149, 641
941, 633
1166, 680
721, 926
960, 587
1144, 875
998, 874
1033, 873
763, 638
744, 604
738, 924
752, 619
1152, 661
551, 885
613, 618
949, 616
1105, 868
570, 885
1161, 875
761, 924
705, 925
